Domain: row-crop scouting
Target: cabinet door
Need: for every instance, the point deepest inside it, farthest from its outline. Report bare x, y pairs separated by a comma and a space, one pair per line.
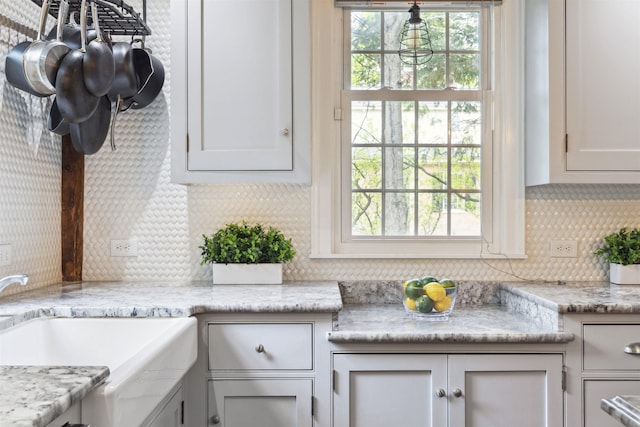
389, 390
240, 68
260, 402
244, 91
596, 390
171, 414
603, 89
506, 390
70, 416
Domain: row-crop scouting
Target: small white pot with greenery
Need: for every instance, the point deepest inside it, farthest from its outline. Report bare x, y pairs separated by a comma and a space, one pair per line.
246, 254
622, 251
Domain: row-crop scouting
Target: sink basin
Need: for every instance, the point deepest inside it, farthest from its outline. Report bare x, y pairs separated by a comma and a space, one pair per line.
146, 357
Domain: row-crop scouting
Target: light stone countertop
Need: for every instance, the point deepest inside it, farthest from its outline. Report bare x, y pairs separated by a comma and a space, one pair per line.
363, 311
389, 323
484, 312
625, 409
32, 396
580, 297
169, 299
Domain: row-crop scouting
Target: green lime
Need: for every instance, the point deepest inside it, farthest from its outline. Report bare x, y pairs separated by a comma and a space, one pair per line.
448, 283
424, 304
413, 288
428, 279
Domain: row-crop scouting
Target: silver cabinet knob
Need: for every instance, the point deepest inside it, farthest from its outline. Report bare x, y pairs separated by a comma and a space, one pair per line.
457, 392
285, 131
633, 348
215, 419
441, 393
259, 348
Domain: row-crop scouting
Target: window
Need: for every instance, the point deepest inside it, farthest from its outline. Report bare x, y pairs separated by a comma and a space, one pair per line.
414, 135
428, 156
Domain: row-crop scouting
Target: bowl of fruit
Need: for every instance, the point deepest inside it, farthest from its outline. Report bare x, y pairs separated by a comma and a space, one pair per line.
429, 297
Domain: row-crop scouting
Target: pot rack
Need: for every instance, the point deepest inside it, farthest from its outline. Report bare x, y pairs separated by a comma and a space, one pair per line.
117, 18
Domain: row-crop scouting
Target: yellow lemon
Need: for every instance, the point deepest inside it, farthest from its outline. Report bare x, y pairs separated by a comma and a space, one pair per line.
443, 305
435, 291
410, 304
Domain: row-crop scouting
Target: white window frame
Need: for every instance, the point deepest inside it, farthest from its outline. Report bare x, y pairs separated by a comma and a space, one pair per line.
503, 236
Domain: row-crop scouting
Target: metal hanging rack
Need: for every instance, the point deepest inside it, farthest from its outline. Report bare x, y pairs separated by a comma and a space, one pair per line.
116, 17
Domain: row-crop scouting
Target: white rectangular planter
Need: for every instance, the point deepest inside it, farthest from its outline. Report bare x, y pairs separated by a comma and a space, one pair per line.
247, 274
624, 274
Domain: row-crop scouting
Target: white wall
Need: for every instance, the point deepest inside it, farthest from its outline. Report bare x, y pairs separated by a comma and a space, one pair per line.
129, 195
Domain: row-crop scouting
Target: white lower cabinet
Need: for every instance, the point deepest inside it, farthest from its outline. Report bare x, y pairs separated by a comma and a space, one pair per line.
598, 366
435, 390
261, 402
70, 416
260, 369
170, 413
596, 390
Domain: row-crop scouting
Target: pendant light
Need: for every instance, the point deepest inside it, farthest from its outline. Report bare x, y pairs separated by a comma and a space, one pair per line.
415, 44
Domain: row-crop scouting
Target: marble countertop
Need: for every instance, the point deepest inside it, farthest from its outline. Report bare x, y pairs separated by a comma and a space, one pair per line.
580, 297
625, 409
363, 312
32, 396
154, 299
484, 312
35, 395
390, 323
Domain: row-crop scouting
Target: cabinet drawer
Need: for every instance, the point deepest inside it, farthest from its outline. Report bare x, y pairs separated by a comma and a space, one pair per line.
603, 347
261, 346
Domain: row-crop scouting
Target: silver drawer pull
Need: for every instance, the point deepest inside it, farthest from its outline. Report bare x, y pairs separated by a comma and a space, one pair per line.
260, 348
441, 393
633, 348
457, 392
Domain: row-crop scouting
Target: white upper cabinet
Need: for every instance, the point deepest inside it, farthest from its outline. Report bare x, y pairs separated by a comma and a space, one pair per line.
582, 93
240, 91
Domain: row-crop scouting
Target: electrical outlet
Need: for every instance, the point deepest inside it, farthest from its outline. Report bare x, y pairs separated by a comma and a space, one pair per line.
121, 248
5, 254
563, 249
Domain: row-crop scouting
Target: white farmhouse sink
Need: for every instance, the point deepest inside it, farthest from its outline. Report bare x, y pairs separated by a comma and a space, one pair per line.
146, 357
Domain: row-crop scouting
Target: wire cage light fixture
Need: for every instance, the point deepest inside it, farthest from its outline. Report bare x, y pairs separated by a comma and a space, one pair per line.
415, 43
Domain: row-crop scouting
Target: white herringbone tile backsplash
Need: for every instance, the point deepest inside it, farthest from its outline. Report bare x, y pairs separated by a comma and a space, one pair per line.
128, 194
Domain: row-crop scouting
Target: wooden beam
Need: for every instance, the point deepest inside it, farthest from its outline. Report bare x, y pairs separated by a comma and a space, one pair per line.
72, 217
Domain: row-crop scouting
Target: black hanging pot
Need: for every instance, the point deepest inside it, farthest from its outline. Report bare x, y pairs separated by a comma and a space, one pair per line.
150, 77
75, 102
13, 64
43, 57
125, 81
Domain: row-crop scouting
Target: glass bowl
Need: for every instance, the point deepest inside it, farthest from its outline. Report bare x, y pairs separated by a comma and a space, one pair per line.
436, 302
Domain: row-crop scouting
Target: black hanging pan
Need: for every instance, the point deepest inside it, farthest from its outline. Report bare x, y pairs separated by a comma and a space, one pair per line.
75, 102
43, 57
89, 136
13, 64
56, 123
98, 65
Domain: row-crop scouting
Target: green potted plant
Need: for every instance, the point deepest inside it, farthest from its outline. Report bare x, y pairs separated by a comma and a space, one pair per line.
242, 253
622, 251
